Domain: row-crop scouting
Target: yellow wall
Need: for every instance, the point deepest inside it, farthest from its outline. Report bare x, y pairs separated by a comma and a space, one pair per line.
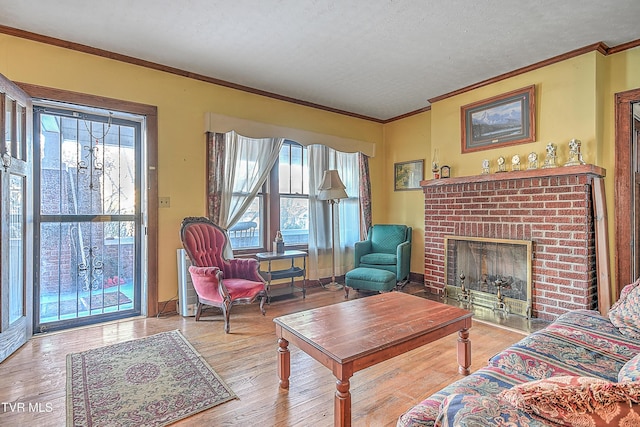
574, 99
182, 104
405, 140
565, 109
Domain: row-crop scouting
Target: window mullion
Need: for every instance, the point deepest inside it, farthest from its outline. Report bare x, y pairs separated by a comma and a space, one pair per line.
290, 168
273, 206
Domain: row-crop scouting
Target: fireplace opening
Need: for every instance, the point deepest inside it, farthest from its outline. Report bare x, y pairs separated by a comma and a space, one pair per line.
491, 273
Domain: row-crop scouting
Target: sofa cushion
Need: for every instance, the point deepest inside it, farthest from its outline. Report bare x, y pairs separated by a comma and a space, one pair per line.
573, 401
379, 259
580, 343
487, 381
625, 313
473, 410
631, 370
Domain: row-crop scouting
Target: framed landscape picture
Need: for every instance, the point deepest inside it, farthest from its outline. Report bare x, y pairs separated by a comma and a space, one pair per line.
407, 175
507, 119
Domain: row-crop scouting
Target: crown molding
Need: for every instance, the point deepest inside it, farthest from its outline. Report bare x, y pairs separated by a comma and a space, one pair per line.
599, 47
172, 70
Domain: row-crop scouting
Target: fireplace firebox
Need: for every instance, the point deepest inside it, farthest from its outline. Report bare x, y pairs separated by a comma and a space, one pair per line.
491, 273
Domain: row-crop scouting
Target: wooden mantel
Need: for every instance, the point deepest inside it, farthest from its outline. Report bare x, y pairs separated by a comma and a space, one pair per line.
523, 174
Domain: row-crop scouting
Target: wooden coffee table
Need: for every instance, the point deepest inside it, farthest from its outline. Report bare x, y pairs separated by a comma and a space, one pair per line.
356, 334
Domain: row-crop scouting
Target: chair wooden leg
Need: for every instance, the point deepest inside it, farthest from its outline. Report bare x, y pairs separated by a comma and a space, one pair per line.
226, 312
262, 300
198, 310
402, 283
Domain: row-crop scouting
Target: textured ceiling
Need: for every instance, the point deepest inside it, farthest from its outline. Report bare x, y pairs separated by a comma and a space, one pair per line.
375, 58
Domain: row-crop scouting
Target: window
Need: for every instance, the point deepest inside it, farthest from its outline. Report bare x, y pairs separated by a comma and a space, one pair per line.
293, 184
286, 197
285, 204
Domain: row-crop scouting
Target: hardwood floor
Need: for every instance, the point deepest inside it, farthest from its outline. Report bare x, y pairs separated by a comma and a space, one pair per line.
246, 360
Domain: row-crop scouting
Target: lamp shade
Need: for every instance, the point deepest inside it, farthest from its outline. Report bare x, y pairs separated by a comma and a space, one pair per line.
332, 187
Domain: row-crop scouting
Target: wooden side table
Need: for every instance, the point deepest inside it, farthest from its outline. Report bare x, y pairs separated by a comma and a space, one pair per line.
287, 273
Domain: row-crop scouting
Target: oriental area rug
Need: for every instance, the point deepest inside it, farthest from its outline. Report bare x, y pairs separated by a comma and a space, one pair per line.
151, 381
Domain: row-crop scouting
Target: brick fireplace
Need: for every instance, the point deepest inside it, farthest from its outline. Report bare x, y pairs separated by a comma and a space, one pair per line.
550, 207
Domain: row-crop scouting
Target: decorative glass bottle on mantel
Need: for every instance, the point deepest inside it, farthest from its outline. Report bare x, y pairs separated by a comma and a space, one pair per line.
435, 167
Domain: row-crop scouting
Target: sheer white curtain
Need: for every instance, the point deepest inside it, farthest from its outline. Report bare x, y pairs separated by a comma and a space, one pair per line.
347, 214
248, 162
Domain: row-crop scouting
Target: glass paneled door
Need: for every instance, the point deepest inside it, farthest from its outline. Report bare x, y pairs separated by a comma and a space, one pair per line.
88, 220
16, 238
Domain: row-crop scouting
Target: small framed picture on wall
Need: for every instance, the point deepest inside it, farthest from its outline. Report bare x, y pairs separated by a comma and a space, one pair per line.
407, 175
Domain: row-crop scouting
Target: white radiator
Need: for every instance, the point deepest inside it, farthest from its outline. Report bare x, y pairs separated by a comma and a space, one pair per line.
187, 298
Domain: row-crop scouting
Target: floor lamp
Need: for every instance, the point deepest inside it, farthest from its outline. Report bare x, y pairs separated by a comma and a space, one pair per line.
332, 190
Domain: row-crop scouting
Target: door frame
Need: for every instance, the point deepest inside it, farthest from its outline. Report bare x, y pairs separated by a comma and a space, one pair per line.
623, 176
17, 333
150, 205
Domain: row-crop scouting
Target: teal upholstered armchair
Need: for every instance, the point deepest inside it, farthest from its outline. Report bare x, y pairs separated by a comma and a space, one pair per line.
388, 247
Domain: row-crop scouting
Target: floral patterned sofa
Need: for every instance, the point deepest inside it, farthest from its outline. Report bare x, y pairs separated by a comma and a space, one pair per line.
581, 370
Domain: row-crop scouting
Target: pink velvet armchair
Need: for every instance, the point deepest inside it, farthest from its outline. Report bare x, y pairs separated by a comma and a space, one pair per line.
219, 282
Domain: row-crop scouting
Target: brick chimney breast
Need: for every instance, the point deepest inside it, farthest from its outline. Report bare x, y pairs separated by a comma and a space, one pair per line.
551, 207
